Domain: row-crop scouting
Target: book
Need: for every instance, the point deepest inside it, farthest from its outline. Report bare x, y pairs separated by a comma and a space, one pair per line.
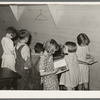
92, 62
60, 63
62, 71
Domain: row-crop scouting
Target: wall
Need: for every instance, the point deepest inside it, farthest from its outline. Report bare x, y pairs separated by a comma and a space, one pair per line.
6, 19
64, 23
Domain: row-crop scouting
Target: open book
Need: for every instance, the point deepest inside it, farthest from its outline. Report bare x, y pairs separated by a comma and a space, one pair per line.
62, 71
90, 62
61, 64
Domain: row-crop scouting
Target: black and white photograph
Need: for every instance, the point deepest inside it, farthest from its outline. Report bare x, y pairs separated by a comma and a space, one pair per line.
49, 47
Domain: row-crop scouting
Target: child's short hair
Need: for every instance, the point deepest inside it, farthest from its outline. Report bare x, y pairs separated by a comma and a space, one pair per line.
82, 38
71, 46
38, 47
23, 33
47, 45
11, 30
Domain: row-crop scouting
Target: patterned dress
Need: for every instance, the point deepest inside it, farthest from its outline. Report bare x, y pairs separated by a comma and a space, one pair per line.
50, 82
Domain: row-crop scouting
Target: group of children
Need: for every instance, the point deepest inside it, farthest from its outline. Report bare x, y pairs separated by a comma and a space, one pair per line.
37, 67
77, 62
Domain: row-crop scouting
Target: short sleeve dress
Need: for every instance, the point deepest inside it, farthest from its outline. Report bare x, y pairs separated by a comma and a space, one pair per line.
50, 82
82, 51
71, 78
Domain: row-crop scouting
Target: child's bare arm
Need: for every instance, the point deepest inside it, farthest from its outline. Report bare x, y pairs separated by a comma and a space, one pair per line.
27, 64
82, 62
48, 73
13, 53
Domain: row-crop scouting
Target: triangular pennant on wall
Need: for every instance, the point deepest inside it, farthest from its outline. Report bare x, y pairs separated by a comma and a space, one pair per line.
20, 11
17, 11
14, 9
56, 12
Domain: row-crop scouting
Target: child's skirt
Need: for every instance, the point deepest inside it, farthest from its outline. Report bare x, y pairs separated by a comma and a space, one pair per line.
84, 73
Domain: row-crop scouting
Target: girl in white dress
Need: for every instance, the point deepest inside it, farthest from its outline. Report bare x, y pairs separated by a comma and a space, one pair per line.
70, 78
83, 53
8, 57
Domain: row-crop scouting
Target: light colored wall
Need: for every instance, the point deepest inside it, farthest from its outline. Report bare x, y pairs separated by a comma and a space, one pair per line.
64, 23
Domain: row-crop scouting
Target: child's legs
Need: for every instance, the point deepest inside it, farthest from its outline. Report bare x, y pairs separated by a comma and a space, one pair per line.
20, 84
80, 86
86, 81
84, 77
69, 88
73, 88
86, 86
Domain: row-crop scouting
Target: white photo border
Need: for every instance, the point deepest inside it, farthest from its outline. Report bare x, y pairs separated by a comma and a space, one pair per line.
49, 94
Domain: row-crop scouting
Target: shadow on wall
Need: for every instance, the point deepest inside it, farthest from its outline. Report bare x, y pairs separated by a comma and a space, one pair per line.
30, 38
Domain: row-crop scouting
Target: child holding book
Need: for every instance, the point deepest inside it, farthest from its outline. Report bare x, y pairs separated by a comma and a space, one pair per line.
46, 65
84, 58
71, 78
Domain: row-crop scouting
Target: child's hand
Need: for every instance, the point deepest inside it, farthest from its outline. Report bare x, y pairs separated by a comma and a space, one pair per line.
56, 70
90, 60
62, 68
26, 67
83, 62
